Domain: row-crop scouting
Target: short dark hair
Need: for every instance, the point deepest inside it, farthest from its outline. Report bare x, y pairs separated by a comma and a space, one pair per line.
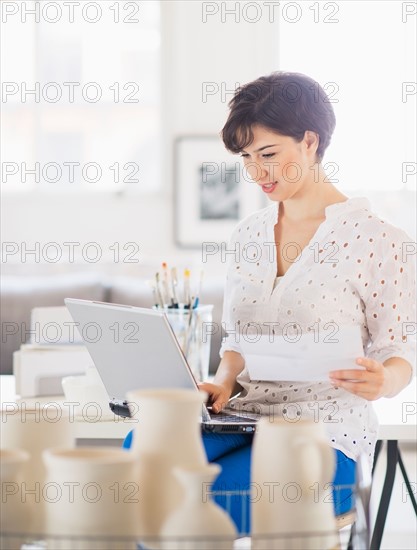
285, 102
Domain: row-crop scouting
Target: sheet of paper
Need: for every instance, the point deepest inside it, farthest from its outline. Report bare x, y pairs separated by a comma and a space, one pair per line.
310, 358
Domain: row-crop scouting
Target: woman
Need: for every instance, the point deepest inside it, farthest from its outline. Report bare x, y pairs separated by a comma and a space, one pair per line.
335, 263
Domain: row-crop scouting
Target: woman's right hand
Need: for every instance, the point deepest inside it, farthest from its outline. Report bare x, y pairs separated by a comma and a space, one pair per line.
225, 384
218, 395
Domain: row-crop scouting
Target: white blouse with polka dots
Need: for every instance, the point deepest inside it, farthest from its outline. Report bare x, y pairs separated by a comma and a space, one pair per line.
355, 270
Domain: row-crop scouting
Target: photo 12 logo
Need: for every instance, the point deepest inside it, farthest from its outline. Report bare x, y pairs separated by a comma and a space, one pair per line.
71, 92
70, 252
290, 92
270, 12
70, 491
69, 173
409, 169
70, 332
119, 11
409, 12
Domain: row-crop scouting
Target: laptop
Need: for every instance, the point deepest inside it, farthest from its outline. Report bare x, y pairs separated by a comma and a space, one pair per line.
136, 348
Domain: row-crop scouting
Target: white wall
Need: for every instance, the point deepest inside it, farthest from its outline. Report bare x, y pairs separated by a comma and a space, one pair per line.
194, 52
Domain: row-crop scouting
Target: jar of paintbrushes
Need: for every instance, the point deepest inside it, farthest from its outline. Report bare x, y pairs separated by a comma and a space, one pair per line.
191, 321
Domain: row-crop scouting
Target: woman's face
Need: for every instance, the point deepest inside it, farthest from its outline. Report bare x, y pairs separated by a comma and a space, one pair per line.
278, 164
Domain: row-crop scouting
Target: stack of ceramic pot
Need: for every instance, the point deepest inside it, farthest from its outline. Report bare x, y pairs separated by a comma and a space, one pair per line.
33, 429
100, 498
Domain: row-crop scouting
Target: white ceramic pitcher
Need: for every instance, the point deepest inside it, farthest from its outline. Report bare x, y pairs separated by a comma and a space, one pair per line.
291, 465
91, 499
167, 435
34, 427
200, 523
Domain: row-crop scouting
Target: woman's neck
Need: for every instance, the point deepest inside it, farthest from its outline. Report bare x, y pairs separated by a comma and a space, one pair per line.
310, 201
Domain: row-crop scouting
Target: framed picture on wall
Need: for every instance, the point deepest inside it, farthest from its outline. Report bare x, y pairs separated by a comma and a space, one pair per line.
212, 191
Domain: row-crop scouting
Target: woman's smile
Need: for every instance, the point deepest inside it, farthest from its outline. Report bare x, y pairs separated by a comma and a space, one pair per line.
269, 187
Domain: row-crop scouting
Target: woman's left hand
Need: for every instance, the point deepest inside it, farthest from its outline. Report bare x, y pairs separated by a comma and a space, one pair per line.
371, 384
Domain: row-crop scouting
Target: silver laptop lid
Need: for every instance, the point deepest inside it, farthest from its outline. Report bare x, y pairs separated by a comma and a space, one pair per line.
132, 348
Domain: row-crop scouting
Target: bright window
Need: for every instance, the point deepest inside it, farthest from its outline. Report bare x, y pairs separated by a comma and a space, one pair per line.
364, 55
80, 95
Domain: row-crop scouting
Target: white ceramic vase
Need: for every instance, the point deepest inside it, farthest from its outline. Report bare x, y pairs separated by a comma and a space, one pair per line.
34, 428
291, 465
87, 394
15, 514
199, 523
92, 499
167, 435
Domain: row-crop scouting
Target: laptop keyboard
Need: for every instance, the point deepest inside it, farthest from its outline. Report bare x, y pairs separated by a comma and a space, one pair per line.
224, 417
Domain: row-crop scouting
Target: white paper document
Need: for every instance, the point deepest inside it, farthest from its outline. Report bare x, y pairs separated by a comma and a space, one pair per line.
309, 358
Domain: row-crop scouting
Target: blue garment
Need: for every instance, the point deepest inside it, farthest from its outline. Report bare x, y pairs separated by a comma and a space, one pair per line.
233, 453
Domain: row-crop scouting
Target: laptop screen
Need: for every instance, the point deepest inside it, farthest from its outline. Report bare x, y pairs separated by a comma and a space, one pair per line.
131, 347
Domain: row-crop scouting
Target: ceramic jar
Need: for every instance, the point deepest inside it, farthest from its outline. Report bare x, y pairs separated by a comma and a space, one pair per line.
34, 428
87, 391
167, 435
199, 523
91, 498
291, 466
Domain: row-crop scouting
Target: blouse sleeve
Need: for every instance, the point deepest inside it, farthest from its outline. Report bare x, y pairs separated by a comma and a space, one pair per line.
230, 340
390, 304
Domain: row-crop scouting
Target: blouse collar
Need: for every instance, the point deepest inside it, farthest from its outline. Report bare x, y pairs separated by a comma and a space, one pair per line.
350, 205
339, 208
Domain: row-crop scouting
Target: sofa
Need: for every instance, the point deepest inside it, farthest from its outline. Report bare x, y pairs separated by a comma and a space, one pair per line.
21, 293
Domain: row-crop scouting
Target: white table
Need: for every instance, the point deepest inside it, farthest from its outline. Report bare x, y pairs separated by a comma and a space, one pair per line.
85, 429
397, 422
397, 417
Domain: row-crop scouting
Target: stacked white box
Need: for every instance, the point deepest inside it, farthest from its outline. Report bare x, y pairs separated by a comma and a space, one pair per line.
55, 351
